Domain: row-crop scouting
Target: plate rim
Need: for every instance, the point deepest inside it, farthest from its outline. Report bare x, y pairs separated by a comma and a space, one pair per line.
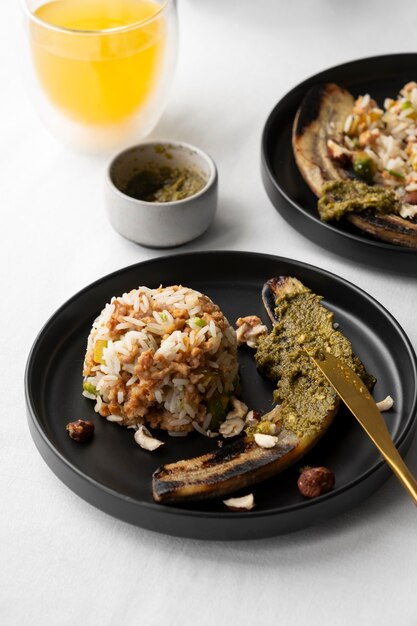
267, 165
224, 516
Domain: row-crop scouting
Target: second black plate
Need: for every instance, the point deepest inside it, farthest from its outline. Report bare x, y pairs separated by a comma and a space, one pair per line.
114, 474
381, 77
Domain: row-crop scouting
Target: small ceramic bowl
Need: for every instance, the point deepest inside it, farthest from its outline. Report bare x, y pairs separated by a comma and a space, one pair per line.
160, 224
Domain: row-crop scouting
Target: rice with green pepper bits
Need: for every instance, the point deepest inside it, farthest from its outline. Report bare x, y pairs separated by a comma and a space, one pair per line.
163, 357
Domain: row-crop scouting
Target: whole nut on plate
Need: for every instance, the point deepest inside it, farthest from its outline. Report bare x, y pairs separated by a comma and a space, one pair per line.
80, 430
315, 481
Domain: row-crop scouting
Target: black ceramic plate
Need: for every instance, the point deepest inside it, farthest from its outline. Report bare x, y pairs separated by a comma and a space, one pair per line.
114, 474
381, 77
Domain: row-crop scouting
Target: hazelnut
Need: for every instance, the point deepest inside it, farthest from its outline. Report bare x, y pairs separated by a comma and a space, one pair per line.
315, 481
80, 430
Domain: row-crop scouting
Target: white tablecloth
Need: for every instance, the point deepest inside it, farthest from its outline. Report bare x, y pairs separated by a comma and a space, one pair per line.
61, 560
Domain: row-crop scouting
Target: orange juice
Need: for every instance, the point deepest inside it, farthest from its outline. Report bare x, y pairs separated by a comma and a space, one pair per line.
102, 63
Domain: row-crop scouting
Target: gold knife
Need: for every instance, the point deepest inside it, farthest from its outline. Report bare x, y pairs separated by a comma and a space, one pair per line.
357, 398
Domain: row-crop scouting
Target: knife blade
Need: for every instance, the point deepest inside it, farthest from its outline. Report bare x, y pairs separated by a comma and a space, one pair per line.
353, 392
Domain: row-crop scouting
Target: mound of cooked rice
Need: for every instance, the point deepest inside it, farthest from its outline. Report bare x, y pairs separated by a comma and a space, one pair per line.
388, 137
165, 357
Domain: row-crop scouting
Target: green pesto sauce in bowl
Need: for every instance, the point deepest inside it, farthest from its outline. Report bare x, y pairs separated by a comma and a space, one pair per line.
164, 184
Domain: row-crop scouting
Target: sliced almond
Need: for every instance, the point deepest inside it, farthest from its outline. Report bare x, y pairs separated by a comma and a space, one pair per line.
245, 503
144, 438
265, 441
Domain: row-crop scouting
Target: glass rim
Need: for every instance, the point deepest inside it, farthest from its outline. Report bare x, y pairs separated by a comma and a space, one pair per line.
88, 32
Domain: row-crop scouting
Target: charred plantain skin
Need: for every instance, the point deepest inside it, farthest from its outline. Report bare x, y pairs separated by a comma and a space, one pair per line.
234, 466
227, 469
321, 118
390, 228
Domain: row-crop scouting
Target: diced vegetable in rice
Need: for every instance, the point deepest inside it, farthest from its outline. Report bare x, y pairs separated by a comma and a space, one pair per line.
382, 144
164, 357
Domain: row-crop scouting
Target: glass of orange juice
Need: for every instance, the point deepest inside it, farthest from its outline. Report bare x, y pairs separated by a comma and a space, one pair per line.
102, 68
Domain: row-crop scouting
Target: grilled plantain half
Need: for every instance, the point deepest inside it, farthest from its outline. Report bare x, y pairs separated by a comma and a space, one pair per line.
319, 122
320, 118
306, 405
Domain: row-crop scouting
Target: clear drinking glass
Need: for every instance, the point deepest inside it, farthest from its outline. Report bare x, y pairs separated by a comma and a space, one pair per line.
101, 69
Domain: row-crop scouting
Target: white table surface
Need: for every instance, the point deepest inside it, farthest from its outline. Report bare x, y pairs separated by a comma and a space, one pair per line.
61, 560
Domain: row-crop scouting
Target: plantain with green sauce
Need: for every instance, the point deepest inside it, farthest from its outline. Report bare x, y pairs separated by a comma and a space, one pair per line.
319, 122
306, 403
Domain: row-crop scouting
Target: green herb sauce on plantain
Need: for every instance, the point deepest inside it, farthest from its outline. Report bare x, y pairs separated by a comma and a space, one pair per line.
301, 388
347, 196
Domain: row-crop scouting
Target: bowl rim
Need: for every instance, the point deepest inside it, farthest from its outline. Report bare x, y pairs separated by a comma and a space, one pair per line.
178, 145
